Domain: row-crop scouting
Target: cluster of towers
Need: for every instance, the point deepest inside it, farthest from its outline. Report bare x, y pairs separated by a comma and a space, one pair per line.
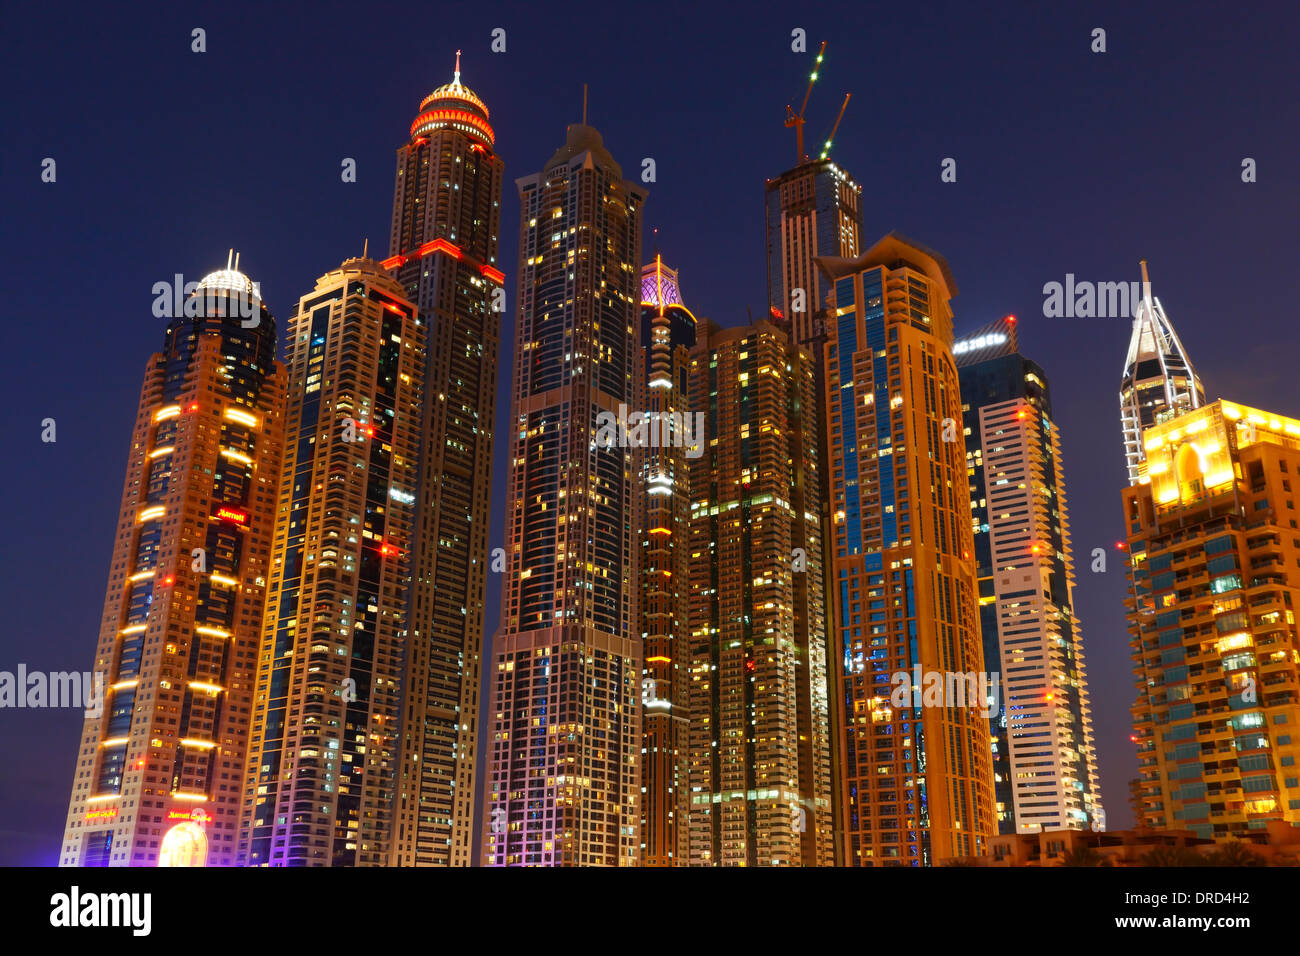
737, 561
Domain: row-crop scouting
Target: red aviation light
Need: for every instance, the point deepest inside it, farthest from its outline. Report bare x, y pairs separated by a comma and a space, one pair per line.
387, 550
231, 514
194, 407
1011, 319
169, 580
1121, 545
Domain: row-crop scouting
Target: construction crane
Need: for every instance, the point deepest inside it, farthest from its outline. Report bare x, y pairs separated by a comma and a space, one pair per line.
796, 119
831, 138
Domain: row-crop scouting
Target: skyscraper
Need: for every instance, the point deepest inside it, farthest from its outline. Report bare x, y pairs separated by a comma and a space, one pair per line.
1214, 551
760, 730
159, 770
915, 775
1159, 380
1044, 757
443, 250
565, 742
812, 210
322, 756
663, 493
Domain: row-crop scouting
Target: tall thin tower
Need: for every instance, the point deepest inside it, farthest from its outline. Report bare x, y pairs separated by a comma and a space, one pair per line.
1159, 380
564, 746
1045, 760
158, 773
443, 250
663, 494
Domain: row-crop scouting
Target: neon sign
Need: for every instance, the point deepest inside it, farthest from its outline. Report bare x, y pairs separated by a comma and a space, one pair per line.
231, 514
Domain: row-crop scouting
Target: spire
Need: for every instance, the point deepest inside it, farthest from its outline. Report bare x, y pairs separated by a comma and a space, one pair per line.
1159, 380
456, 79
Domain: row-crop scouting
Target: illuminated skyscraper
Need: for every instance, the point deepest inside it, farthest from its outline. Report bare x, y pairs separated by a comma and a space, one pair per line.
443, 249
1044, 758
760, 769
1215, 579
916, 781
565, 742
159, 772
322, 757
812, 210
1159, 380
667, 335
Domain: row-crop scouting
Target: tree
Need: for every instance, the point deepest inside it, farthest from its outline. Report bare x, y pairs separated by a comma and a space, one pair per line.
1172, 856
1084, 856
1235, 853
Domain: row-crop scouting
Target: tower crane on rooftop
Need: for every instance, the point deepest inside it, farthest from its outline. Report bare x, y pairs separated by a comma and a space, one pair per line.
796, 119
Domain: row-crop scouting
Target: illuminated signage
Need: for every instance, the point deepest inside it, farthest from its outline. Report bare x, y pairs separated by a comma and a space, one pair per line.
979, 342
197, 815
231, 514
101, 816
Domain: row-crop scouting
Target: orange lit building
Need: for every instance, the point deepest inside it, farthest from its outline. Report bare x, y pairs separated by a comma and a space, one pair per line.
1214, 546
443, 250
916, 780
158, 772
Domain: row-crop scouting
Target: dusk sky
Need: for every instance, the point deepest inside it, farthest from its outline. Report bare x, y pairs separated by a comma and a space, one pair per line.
1068, 161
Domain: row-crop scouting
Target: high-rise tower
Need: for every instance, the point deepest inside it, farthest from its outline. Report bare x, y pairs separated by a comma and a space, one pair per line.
443, 250
663, 493
915, 775
1159, 380
564, 746
159, 771
760, 728
322, 757
1214, 583
1045, 765
812, 210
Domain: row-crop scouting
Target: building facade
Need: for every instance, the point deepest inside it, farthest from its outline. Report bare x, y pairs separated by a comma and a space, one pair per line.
914, 773
812, 210
322, 757
1214, 551
443, 250
1044, 755
663, 490
760, 772
565, 741
159, 770
1159, 381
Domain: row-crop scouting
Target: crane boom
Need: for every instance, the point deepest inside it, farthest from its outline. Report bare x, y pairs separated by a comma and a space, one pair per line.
831, 138
796, 119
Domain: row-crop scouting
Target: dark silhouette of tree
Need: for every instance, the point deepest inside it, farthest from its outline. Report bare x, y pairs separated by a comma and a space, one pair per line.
1172, 856
1084, 856
1235, 853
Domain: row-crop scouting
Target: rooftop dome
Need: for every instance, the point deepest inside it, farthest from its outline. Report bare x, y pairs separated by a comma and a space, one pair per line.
454, 106
229, 278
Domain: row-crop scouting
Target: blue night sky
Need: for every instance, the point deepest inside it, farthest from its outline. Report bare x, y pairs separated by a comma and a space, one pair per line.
1067, 161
